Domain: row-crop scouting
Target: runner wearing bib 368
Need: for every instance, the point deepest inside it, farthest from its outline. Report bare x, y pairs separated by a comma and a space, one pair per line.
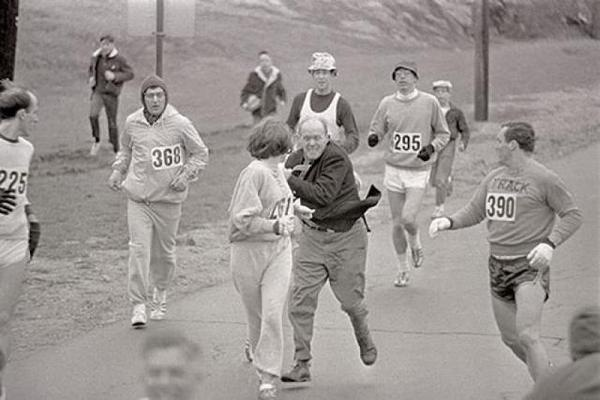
520, 201
161, 152
415, 130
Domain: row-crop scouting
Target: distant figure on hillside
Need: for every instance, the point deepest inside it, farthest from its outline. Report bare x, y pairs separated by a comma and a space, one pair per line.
579, 380
441, 172
264, 89
172, 369
19, 229
322, 101
107, 71
161, 153
412, 128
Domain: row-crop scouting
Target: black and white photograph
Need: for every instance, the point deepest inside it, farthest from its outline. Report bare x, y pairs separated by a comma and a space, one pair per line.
299, 200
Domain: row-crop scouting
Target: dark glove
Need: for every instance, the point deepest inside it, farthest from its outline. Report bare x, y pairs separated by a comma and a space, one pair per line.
8, 201
34, 236
372, 140
426, 152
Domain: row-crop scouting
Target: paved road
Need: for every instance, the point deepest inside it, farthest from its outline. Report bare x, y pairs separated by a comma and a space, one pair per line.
437, 339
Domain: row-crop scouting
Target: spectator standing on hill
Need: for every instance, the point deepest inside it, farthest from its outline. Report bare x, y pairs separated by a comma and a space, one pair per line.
441, 172
264, 89
333, 244
322, 101
580, 379
107, 72
161, 153
412, 125
520, 201
19, 229
261, 220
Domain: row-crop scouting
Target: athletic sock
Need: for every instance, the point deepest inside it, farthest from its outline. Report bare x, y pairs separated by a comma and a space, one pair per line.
403, 264
414, 241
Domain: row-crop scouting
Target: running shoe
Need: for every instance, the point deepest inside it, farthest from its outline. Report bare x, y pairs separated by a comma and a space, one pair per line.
267, 391
402, 279
138, 320
417, 255
158, 306
299, 373
95, 148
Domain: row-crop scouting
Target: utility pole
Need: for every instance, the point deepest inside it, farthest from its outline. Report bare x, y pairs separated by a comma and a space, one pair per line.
160, 34
482, 39
9, 11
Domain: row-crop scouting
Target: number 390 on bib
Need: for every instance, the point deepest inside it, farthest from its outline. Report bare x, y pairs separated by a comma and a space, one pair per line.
164, 157
501, 206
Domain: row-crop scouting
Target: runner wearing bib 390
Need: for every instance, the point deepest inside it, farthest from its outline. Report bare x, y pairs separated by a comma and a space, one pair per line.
520, 201
161, 152
413, 129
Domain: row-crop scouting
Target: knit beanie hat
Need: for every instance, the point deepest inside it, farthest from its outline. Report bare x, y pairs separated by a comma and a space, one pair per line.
154, 81
584, 332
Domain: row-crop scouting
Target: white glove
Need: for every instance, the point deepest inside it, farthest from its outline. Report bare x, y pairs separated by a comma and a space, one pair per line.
540, 256
437, 225
286, 225
114, 181
301, 211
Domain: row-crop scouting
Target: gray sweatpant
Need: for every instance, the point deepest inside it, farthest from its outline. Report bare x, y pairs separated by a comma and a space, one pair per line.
152, 232
261, 274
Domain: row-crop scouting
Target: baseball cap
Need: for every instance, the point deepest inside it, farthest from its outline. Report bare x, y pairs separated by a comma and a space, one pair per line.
321, 60
409, 65
442, 83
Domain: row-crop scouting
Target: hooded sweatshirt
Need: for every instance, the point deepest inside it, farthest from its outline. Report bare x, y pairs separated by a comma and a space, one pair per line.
154, 153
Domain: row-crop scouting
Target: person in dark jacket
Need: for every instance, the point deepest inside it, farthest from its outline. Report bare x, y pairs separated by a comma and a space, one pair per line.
441, 172
108, 71
264, 89
333, 244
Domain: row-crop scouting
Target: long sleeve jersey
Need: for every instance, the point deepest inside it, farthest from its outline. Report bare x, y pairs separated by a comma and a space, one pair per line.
15, 158
521, 208
152, 155
405, 126
260, 196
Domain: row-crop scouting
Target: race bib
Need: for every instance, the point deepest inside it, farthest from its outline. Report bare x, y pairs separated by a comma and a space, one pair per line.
404, 142
13, 180
164, 157
501, 206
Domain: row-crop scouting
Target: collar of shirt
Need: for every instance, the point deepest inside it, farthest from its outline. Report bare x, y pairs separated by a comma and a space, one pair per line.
407, 97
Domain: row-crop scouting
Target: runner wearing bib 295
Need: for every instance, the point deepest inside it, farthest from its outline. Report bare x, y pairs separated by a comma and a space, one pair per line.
520, 201
413, 129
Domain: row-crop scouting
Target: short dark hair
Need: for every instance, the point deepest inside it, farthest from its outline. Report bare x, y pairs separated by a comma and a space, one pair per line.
168, 338
108, 37
260, 53
12, 99
270, 138
520, 132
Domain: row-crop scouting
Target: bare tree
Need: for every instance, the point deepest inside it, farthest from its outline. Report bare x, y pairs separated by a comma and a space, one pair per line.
9, 11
